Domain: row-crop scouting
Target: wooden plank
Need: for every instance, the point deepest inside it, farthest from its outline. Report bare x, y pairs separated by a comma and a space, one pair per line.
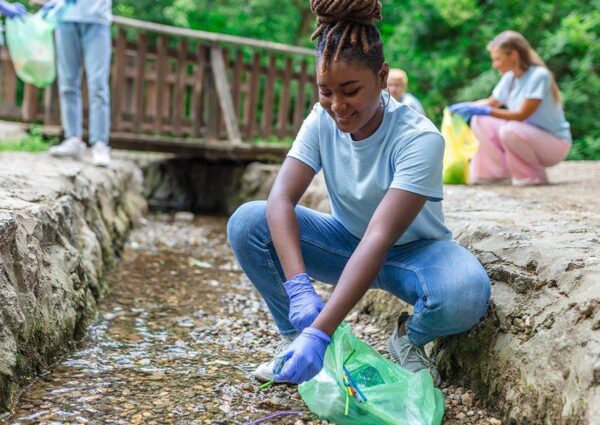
51, 107
210, 101
269, 99
138, 111
284, 101
196, 101
237, 81
10, 82
29, 109
161, 89
224, 94
210, 36
118, 78
251, 105
178, 98
300, 107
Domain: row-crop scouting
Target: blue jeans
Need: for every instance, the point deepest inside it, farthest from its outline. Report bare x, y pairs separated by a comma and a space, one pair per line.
76, 44
445, 283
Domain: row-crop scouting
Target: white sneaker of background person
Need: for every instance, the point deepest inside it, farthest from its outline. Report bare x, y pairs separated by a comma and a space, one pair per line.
101, 154
72, 147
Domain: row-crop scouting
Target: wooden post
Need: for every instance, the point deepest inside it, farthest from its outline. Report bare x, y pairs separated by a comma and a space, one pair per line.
299, 109
253, 95
284, 100
29, 108
211, 101
237, 81
224, 94
178, 98
140, 67
161, 86
196, 101
118, 79
269, 99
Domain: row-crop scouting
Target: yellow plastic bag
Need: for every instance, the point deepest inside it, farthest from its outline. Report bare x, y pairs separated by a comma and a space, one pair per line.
461, 145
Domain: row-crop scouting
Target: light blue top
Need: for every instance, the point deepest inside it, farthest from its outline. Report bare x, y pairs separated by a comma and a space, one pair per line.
413, 102
405, 152
535, 83
90, 12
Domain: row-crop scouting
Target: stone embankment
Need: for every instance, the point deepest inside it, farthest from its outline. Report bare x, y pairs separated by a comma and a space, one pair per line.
61, 224
536, 355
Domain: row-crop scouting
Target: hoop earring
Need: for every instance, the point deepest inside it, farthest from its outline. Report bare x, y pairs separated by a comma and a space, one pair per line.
388, 100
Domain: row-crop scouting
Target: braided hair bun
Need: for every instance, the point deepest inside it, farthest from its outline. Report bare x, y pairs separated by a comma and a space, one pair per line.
341, 24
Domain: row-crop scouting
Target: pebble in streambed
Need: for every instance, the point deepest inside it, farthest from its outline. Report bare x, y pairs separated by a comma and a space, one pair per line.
175, 342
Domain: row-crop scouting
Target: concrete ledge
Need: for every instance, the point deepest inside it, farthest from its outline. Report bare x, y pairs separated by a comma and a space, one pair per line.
61, 224
536, 355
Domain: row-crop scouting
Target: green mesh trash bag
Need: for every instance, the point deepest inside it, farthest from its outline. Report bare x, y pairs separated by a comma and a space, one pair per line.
30, 42
358, 386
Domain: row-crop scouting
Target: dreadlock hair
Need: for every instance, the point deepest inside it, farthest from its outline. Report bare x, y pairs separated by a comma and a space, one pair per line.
345, 28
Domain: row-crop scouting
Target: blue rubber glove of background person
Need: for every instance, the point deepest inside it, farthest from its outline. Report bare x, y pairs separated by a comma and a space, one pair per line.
304, 357
50, 4
305, 304
468, 110
12, 10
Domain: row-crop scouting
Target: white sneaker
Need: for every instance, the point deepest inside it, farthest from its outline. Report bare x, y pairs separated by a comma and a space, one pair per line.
264, 372
100, 154
72, 147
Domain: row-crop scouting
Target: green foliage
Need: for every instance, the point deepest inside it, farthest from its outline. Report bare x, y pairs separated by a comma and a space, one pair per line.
442, 46
440, 43
33, 142
587, 147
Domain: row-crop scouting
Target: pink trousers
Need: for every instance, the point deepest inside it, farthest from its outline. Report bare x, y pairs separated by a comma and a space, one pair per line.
514, 149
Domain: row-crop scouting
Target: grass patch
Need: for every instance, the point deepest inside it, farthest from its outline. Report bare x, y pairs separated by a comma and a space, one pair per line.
34, 141
273, 141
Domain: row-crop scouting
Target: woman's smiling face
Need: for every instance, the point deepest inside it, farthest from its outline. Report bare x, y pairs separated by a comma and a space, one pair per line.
351, 95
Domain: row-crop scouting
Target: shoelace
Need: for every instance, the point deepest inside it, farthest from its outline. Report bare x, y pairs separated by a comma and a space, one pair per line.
418, 351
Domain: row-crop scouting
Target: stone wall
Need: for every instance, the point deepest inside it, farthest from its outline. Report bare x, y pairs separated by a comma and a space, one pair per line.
535, 356
61, 224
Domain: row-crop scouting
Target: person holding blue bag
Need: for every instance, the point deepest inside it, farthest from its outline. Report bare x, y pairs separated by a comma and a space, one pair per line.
382, 163
83, 37
12, 10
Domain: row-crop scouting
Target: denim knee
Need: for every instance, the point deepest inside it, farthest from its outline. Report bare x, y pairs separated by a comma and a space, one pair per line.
476, 289
248, 221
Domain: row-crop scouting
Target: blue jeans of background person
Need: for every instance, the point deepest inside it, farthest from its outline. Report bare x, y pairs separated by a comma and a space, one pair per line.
90, 44
445, 283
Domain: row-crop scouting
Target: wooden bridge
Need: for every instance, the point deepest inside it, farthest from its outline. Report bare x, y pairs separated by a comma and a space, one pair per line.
185, 91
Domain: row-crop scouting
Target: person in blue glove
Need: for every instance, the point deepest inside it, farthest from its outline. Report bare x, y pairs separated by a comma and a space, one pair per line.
83, 38
382, 164
518, 142
12, 10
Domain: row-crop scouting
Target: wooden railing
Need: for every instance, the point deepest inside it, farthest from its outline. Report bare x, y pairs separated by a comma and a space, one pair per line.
168, 81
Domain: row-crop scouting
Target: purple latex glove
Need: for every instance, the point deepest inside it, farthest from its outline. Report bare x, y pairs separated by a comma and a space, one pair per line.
468, 110
13, 10
304, 357
305, 304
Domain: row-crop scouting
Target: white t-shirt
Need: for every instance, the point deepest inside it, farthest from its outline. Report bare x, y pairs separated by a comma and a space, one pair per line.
405, 152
